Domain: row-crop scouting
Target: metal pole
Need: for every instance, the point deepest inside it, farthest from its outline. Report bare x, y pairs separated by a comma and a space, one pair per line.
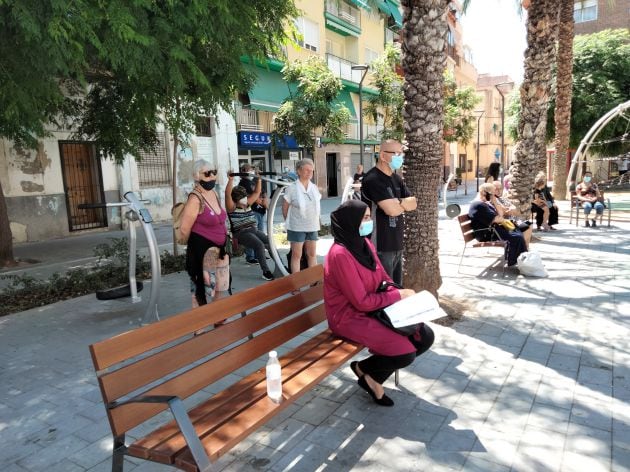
477, 170
361, 120
502, 161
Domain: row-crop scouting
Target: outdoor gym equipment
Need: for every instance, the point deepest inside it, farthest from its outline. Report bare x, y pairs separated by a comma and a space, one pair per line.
136, 212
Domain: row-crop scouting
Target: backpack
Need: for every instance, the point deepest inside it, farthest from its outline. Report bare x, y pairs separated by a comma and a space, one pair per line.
177, 211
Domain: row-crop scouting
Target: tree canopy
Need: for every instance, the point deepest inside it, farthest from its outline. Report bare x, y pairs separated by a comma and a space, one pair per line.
117, 68
386, 107
314, 104
459, 103
601, 81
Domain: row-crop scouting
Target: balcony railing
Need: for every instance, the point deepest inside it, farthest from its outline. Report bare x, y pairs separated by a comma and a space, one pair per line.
247, 120
345, 12
370, 132
342, 68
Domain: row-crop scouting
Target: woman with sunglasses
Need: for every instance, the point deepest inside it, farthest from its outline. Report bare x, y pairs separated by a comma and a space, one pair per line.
207, 262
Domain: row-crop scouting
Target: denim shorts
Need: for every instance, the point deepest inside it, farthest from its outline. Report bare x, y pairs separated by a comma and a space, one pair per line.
301, 236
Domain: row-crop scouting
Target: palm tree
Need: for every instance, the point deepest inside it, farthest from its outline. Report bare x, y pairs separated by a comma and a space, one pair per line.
530, 155
423, 61
564, 92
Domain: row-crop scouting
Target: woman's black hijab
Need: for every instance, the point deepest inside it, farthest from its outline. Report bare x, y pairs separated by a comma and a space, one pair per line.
345, 222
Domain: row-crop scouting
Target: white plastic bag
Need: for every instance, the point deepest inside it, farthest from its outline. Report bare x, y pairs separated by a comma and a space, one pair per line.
530, 263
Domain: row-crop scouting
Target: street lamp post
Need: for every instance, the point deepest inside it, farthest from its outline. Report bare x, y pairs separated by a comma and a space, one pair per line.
481, 112
502, 159
364, 68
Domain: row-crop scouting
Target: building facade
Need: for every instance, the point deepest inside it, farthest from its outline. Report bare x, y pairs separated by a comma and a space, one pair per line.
343, 34
490, 89
592, 16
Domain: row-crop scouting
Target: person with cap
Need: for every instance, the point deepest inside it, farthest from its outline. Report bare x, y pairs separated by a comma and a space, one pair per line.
352, 276
244, 224
385, 191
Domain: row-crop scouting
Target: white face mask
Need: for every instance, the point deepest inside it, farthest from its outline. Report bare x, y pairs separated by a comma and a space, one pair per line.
243, 201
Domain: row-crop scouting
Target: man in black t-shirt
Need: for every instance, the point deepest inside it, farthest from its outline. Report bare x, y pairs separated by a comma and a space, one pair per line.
248, 184
389, 198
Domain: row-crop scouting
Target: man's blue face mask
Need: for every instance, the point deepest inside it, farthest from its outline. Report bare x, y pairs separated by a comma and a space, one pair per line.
397, 161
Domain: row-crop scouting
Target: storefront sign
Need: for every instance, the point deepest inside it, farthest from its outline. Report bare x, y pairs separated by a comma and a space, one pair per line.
253, 138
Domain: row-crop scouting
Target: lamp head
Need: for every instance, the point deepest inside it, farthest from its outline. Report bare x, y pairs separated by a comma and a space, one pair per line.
360, 67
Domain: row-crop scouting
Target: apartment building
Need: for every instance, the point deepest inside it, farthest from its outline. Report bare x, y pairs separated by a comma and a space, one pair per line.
459, 157
493, 91
592, 16
343, 34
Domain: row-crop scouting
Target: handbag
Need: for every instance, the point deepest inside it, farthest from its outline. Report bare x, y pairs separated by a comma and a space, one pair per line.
381, 315
508, 224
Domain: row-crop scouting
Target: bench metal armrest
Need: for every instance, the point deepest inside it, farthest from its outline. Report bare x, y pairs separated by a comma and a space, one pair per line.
183, 422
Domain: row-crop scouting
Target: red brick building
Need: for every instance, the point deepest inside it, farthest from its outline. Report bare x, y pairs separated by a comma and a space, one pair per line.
597, 15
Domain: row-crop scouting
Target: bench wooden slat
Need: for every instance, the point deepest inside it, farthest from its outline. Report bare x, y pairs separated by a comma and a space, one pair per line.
141, 340
127, 416
133, 376
142, 446
231, 433
216, 412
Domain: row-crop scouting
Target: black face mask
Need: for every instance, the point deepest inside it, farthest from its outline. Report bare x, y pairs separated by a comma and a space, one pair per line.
207, 185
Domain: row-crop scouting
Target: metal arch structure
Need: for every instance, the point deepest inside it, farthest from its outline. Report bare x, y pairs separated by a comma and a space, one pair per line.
589, 137
277, 193
350, 190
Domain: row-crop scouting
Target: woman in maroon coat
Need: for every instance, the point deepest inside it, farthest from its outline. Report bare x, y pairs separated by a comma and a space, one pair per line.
352, 275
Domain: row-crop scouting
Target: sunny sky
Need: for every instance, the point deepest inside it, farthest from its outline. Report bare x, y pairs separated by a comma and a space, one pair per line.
496, 34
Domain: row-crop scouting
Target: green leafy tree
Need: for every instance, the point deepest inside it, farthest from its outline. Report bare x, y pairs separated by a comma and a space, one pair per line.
459, 103
117, 69
313, 105
386, 107
601, 81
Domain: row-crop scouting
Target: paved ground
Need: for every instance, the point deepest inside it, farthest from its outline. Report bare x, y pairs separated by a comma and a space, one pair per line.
535, 378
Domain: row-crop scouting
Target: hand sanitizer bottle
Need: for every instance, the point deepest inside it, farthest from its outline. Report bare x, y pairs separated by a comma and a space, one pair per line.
274, 378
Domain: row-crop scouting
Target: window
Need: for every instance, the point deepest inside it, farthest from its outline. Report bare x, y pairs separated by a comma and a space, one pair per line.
334, 48
203, 126
370, 55
153, 168
585, 10
310, 34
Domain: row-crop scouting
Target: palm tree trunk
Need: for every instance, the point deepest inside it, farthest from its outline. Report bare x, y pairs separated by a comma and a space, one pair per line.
564, 93
531, 153
423, 62
6, 237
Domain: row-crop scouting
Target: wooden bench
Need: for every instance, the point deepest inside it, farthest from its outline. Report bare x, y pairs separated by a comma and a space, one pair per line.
143, 372
468, 233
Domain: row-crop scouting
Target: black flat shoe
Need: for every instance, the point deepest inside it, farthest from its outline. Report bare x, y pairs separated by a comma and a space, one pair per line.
383, 401
353, 366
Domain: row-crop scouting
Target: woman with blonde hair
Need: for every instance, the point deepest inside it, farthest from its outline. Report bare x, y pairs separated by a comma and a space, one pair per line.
203, 221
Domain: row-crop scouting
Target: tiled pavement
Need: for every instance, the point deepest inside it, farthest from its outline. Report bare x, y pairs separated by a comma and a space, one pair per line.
536, 377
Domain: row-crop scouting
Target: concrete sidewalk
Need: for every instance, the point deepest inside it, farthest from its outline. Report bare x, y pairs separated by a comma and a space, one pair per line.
536, 377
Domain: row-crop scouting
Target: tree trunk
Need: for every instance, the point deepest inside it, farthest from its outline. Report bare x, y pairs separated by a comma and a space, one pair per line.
6, 237
423, 62
564, 94
531, 153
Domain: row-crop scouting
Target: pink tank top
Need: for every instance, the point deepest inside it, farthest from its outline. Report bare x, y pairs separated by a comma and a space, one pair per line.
211, 226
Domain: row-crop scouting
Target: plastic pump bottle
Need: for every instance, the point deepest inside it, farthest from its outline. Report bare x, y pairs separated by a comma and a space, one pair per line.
274, 378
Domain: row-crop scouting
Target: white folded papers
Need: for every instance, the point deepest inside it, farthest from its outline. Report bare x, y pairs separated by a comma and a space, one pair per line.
418, 308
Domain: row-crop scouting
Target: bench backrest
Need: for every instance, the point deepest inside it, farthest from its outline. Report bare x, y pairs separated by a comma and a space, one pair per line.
466, 226
167, 358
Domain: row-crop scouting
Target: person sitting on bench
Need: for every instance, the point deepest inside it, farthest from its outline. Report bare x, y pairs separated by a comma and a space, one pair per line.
487, 224
352, 275
588, 193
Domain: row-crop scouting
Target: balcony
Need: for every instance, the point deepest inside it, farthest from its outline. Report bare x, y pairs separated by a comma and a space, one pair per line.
342, 68
343, 18
247, 120
370, 132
